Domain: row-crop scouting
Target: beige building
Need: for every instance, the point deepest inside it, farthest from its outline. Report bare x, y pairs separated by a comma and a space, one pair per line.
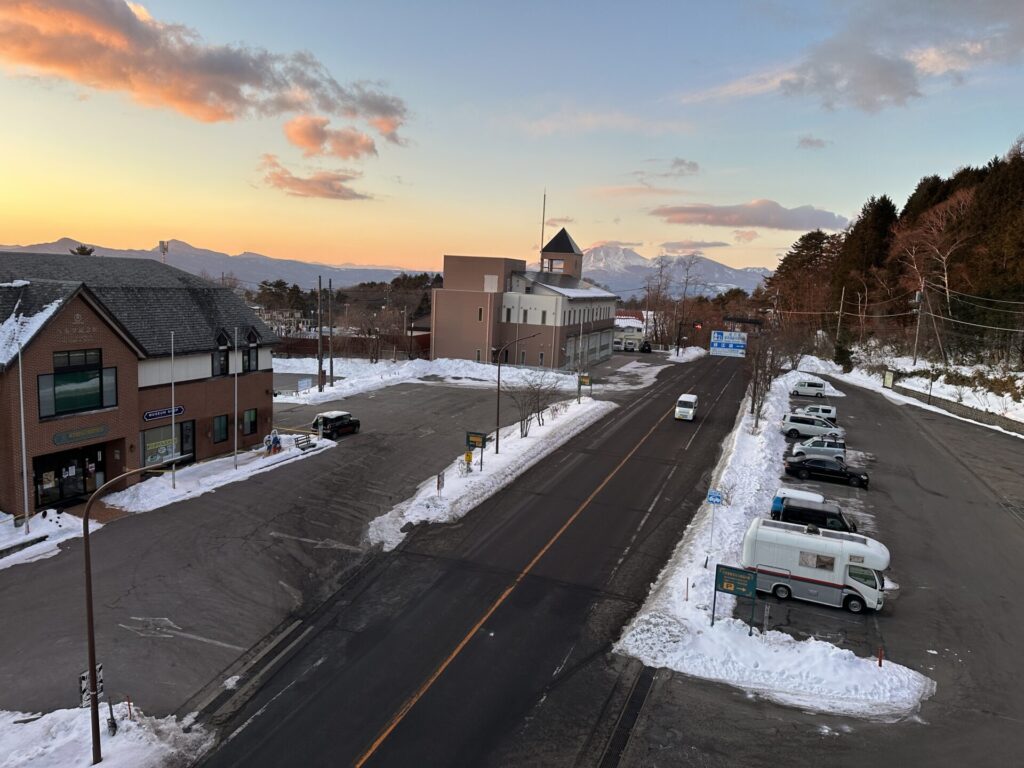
488, 303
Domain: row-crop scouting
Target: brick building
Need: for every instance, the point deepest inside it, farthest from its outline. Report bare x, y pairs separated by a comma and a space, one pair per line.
487, 303
96, 371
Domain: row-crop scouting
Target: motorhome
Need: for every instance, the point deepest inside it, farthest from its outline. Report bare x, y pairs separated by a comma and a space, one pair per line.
820, 566
686, 407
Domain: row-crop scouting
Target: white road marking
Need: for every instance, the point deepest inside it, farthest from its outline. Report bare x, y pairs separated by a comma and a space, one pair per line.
317, 543
161, 626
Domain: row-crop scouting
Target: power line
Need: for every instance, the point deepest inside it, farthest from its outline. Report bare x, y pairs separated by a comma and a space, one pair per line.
976, 325
988, 309
944, 289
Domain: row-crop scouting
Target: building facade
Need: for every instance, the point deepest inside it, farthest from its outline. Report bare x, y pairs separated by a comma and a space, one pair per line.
96, 372
560, 319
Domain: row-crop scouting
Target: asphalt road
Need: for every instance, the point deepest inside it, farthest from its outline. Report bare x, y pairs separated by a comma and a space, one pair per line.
226, 568
946, 498
444, 651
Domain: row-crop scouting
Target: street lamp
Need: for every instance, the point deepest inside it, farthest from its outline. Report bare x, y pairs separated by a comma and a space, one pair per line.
497, 420
94, 704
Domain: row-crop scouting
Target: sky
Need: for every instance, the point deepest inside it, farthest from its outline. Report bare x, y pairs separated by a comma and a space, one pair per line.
392, 133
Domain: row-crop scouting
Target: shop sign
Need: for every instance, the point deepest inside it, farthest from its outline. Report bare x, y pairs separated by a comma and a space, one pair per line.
80, 435
162, 413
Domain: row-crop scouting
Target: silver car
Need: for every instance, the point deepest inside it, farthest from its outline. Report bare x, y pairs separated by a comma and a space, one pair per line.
804, 425
825, 447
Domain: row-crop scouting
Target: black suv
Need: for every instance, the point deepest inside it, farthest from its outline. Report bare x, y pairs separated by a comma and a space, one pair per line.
826, 469
335, 424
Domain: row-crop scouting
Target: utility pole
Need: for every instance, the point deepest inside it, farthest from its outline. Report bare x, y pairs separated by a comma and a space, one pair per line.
237, 362
839, 322
330, 322
24, 458
917, 329
319, 334
935, 327
174, 436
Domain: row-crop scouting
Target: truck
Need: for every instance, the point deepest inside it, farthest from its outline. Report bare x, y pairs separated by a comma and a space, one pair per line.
821, 566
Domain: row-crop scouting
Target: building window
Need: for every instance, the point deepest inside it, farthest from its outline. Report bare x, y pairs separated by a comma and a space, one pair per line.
563, 317
525, 314
478, 355
220, 428
508, 315
79, 382
249, 422
544, 317
479, 314
220, 362
540, 357
522, 357
253, 354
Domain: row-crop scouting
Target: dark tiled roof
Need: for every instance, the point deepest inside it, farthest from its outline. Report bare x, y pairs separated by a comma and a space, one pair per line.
147, 298
32, 298
562, 243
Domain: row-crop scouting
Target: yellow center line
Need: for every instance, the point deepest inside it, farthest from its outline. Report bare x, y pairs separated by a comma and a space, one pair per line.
419, 693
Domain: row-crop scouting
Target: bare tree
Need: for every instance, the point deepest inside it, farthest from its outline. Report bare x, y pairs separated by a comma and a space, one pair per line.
942, 238
532, 393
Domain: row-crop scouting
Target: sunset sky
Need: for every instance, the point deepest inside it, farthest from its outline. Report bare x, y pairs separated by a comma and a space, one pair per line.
394, 132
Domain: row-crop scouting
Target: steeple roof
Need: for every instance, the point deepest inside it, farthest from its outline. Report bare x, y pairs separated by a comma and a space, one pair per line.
562, 243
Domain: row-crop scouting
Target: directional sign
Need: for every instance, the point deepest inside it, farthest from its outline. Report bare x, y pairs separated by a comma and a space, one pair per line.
476, 440
714, 496
162, 413
83, 685
584, 379
735, 581
728, 344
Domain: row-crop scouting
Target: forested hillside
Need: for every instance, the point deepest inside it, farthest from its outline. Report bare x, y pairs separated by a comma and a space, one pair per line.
952, 260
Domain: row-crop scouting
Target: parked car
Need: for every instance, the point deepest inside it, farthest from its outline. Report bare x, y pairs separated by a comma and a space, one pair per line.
335, 424
809, 388
645, 346
826, 446
802, 425
793, 493
826, 469
825, 411
617, 345
826, 515
630, 345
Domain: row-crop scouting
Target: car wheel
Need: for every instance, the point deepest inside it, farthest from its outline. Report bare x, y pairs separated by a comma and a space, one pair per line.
854, 604
819, 394
799, 455
782, 592
793, 433
855, 481
803, 474
794, 393
356, 432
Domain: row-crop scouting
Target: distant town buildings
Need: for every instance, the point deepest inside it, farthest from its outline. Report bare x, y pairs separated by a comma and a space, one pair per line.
560, 319
96, 371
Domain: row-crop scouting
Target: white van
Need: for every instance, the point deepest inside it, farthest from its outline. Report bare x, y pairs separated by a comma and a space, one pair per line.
800, 425
686, 407
827, 567
809, 388
825, 411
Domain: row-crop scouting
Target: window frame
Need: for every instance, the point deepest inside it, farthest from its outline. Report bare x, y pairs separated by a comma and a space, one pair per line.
245, 421
227, 431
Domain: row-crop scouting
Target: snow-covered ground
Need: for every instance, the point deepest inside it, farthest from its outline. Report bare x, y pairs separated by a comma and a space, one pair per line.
464, 490
686, 354
197, 479
673, 627
867, 380
62, 739
57, 527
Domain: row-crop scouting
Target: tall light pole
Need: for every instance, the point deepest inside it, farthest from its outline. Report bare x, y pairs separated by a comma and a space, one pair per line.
94, 704
497, 411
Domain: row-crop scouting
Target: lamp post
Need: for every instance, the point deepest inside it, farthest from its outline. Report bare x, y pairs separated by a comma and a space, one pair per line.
94, 705
497, 411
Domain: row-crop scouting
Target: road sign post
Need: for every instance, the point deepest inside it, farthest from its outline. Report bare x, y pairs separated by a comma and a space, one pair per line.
475, 440
440, 482
736, 581
714, 499
83, 685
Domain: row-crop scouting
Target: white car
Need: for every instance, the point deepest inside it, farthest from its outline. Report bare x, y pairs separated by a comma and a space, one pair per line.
802, 425
825, 411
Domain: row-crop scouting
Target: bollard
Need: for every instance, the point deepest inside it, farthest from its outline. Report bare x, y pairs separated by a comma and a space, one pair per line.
881, 655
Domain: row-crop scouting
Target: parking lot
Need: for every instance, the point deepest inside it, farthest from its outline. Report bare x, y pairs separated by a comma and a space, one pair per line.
946, 498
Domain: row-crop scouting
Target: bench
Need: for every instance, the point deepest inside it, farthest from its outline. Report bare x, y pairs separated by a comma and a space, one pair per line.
304, 442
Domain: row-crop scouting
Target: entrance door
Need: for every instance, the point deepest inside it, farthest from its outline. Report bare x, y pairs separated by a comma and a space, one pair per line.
188, 439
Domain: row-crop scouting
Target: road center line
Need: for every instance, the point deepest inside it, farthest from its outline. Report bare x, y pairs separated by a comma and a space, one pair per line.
419, 693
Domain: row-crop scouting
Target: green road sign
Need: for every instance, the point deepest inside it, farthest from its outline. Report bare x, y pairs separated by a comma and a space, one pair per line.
584, 379
735, 581
476, 440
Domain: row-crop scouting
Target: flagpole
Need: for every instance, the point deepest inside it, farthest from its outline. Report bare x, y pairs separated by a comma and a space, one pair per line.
174, 440
24, 460
235, 430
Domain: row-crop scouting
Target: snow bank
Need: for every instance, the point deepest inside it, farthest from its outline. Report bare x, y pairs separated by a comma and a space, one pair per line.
673, 631
197, 479
56, 527
463, 491
355, 376
686, 354
636, 374
62, 739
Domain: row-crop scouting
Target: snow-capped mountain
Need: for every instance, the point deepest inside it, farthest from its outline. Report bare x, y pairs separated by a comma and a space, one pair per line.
626, 272
248, 267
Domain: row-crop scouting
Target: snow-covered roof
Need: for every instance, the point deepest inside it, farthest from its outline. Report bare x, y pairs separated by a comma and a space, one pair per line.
333, 414
628, 322
568, 286
24, 309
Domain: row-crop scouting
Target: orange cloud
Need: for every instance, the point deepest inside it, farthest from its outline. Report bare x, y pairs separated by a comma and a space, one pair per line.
331, 185
113, 45
745, 235
313, 137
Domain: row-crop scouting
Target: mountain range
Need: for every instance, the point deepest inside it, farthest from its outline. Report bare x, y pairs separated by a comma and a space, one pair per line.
621, 269
626, 272
249, 268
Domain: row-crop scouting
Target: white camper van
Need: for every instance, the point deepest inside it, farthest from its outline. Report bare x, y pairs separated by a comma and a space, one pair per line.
686, 407
827, 567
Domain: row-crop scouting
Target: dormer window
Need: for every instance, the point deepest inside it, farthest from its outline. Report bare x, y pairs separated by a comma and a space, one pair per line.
221, 356
251, 352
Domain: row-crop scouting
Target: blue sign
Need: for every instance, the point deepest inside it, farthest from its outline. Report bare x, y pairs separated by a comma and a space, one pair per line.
728, 344
714, 496
162, 413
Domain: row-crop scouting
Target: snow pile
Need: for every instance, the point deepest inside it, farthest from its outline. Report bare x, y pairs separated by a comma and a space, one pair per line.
62, 739
464, 490
55, 526
197, 479
633, 375
671, 631
355, 376
686, 354
19, 329
812, 364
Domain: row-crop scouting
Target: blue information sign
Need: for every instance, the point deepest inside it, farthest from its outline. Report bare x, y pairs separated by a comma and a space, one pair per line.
714, 496
728, 344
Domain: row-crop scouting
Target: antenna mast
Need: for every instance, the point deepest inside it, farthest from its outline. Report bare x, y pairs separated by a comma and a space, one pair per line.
543, 214
163, 251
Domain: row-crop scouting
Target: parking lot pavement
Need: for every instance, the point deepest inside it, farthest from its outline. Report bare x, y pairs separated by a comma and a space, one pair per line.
945, 499
183, 590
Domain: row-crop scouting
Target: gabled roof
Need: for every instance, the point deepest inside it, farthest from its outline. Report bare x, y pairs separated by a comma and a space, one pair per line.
562, 243
148, 299
567, 285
